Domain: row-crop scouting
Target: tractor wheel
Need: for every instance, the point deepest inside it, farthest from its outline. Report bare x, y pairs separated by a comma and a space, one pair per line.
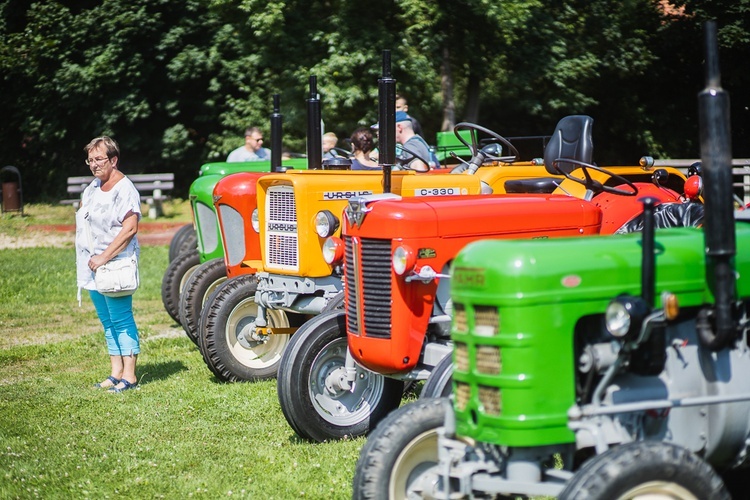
313, 401
204, 280
177, 273
398, 453
335, 304
227, 316
183, 240
652, 469
440, 382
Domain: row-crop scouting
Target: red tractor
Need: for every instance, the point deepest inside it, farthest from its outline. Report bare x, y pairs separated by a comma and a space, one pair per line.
344, 370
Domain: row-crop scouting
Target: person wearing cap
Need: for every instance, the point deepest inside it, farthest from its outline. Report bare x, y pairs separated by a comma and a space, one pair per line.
253, 149
403, 105
413, 146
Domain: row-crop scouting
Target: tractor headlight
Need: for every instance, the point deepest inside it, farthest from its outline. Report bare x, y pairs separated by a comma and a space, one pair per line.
326, 223
403, 259
255, 220
625, 315
333, 250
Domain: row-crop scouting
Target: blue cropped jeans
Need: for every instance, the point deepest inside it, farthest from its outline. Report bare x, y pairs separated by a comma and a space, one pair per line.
116, 315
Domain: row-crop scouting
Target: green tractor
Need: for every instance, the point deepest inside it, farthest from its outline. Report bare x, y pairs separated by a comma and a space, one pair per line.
599, 367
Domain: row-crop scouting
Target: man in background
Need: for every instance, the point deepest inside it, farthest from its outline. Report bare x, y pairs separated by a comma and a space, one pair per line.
252, 150
403, 105
413, 145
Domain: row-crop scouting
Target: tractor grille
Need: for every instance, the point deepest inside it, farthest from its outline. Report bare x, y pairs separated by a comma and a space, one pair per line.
282, 248
463, 394
489, 397
489, 361
461, 357
486, 321
368, 282
233, 229
459, 318
208, 228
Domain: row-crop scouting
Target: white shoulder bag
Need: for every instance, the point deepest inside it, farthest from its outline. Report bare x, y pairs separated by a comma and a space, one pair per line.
118, 277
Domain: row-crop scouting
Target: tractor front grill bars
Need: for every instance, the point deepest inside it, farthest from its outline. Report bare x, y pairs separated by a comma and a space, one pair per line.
368, 286
282, 244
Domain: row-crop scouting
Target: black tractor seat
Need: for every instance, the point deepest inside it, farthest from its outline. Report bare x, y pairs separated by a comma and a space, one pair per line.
536, 185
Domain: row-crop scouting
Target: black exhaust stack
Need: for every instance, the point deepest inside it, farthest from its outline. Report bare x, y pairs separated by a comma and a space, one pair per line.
387, 121
716, 158
648, 259
314, 129
276, 126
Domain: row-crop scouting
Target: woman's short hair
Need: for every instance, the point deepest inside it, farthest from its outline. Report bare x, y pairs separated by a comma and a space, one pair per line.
113, 149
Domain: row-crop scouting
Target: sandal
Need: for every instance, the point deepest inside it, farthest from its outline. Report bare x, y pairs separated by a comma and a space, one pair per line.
126, 387
112, 379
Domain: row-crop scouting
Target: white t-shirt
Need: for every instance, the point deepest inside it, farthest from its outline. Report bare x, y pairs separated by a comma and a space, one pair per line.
103, 212
243, 154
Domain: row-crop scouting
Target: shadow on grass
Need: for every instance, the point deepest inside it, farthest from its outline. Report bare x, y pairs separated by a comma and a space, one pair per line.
151, 372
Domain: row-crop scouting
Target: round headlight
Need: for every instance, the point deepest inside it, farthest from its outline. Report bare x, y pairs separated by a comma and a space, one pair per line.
333, 251
255, 221
625, 316
403, 260
617, 319
326, 223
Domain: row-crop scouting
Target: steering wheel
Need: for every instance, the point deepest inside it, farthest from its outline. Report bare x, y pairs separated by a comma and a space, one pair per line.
592, 184
342, 152
478, 156
414, 156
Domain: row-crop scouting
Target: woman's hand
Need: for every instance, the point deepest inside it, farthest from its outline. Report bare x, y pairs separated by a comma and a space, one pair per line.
96, 261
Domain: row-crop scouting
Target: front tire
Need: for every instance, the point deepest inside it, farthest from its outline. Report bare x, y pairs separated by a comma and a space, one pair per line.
645, 468
202, 282
321, 412
400, 451
230, 312
183, 240
440, 382
177, 273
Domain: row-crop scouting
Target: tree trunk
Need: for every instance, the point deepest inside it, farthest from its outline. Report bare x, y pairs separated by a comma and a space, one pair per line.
446, 87
472, 98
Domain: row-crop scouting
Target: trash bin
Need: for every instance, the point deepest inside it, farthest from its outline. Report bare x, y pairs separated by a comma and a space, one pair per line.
12, 197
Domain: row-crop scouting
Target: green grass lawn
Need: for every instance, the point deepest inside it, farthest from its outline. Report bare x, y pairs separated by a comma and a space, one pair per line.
181, 434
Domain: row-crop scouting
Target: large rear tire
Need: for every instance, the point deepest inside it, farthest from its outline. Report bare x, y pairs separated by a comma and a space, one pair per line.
440, 382
399, 451
321, 412
652, 469
177, 273
183, 240
202, 282
230, 313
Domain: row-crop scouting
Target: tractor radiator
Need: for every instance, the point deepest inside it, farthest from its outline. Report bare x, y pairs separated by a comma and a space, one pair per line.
368, 287
282, 244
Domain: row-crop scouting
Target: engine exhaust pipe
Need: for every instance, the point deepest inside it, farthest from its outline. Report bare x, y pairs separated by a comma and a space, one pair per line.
314, 129
387, 121
716, 158
276, 133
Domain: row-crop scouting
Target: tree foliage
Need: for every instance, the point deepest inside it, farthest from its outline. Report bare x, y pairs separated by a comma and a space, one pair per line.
177, 81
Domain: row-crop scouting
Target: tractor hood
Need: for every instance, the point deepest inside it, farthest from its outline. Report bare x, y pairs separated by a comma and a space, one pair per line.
427, 217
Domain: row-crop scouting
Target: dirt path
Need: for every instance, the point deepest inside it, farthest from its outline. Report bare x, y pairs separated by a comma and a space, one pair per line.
63, 235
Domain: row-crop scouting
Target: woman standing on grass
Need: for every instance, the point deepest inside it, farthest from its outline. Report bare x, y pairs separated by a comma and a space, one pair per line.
106, 227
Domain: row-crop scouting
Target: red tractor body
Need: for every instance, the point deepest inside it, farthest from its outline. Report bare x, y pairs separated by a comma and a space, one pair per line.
391, 318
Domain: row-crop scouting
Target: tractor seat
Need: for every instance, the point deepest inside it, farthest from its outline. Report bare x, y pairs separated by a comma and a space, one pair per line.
571, 139
668, 215
536, 185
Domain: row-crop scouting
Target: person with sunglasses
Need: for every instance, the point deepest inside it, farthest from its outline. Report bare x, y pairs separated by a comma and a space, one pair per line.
253, 149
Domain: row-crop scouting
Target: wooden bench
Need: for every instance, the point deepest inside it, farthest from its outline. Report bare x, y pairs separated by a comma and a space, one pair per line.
152, 187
